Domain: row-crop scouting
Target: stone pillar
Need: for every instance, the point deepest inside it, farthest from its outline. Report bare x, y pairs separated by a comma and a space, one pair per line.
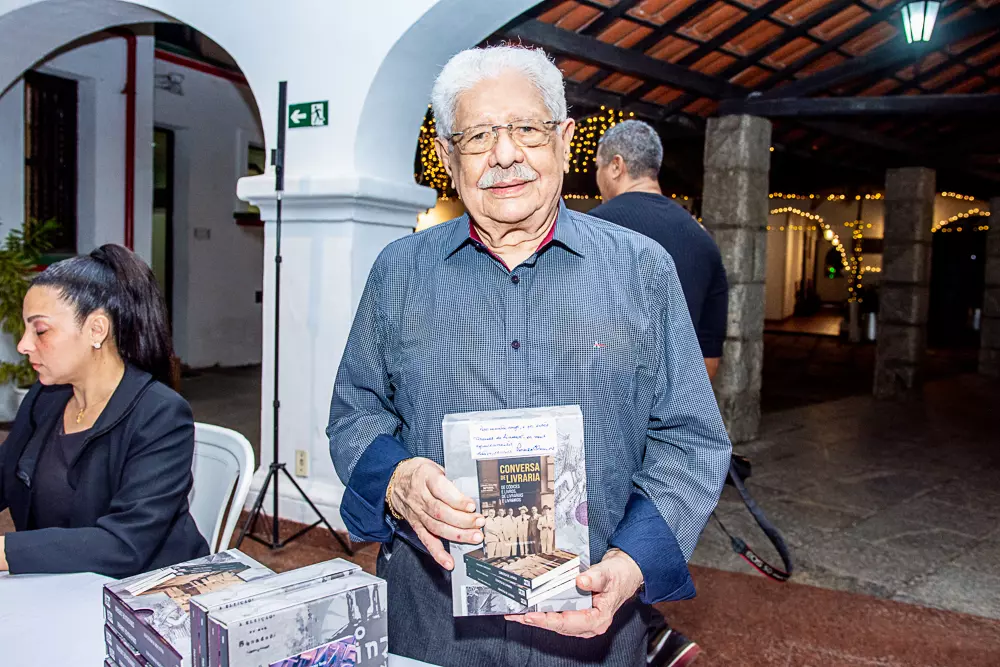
905, 285
734, 210
989, 348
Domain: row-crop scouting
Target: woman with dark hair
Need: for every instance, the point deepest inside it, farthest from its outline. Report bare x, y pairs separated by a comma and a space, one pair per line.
97, 467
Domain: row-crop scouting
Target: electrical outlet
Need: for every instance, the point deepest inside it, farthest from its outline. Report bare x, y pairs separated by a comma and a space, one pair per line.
301, 463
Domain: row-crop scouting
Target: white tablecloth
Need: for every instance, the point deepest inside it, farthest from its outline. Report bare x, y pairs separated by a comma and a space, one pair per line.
64, 612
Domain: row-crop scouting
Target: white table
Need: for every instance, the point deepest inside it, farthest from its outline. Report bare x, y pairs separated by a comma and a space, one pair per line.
65, 612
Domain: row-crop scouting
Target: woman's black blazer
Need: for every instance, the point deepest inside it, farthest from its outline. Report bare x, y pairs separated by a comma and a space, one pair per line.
130, 483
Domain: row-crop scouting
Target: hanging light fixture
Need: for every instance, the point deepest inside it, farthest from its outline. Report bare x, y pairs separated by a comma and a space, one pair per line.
918, 19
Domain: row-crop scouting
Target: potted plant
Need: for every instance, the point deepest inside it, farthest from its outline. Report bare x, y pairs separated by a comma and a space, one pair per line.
19, 259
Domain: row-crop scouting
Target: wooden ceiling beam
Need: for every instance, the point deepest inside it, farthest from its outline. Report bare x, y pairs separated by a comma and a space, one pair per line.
860, 106
890, 55
625, 61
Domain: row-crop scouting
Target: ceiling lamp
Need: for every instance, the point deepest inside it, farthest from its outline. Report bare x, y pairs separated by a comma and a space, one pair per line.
918, 20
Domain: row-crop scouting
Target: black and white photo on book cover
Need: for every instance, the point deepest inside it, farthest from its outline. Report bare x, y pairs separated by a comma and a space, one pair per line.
526, 470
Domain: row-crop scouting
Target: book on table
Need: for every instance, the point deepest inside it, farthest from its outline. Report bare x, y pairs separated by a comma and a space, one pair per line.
272, 628
205, 640
526, 471
151, 611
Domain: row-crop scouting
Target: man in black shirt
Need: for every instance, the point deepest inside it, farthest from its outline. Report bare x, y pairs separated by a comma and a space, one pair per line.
628, 166
628, 163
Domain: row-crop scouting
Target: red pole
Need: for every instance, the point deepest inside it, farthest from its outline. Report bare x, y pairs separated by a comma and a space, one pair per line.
129, 91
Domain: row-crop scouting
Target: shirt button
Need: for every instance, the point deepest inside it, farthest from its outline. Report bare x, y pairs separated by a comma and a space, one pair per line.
515, 279
516, 345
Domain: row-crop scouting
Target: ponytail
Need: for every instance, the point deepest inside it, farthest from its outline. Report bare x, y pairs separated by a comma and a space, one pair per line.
114, 279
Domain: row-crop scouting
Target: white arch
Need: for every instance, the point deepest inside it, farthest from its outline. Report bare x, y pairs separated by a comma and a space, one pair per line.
29, 31
397, 100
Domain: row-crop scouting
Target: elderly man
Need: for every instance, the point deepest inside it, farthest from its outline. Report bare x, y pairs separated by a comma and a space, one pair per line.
523, 303
629, 155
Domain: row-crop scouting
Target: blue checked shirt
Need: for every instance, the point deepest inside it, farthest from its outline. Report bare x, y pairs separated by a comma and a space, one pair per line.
595, 318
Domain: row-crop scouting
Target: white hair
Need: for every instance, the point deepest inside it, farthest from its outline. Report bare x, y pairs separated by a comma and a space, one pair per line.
468, 68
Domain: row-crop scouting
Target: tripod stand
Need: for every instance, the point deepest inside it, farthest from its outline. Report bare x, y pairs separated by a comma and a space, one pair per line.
274, 540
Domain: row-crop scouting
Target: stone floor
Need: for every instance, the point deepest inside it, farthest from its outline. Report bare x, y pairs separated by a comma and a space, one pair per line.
826, 323
900, 500
803, 369
228, 397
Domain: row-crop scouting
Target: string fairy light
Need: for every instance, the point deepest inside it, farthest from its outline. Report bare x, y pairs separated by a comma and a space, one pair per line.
945, 225
588, 135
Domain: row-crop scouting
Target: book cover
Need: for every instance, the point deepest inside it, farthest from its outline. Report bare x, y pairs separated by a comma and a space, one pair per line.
151, 611
275, 584
526, 470
333, 654
120, 652
275, 627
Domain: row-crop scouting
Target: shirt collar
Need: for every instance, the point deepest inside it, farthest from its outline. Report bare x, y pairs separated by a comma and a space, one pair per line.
564, 232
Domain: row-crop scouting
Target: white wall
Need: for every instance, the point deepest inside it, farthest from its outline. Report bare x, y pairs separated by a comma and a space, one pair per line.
11, 204
218, 265
784, 265
774, 285
12, 159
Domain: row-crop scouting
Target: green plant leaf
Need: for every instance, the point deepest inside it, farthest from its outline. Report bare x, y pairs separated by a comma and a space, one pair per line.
18, 260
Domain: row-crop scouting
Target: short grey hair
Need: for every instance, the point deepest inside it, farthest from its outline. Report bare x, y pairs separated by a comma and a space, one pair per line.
638, 144
468, 68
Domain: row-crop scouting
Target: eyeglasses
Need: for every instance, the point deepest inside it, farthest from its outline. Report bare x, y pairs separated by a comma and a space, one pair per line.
524, 133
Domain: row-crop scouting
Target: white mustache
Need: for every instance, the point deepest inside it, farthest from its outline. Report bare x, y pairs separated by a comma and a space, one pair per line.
515, 172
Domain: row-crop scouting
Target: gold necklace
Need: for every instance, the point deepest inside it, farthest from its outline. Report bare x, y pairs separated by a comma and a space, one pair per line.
79, 415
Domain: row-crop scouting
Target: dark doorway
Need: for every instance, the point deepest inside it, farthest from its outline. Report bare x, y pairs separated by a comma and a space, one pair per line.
163, 214
958, 271
50, 154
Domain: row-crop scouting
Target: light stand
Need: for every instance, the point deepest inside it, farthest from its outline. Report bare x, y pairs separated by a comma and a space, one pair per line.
274, 541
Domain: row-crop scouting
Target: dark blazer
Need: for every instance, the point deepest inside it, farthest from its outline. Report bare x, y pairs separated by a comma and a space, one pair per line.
131, 482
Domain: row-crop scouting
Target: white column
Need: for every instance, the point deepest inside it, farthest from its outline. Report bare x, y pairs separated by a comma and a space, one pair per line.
331, 233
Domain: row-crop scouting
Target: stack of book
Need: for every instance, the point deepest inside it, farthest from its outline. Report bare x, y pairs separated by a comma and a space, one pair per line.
227, 610
526, 469
528, 580
149, 614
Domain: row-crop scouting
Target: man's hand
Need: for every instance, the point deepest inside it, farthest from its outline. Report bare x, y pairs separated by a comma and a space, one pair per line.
435, 508
612, 581
3, 555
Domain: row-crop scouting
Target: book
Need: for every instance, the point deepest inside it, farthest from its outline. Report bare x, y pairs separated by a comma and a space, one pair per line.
151, 611
275, 627
526, 471
121, 653
524, 595
531, 571
333, 654
203, 641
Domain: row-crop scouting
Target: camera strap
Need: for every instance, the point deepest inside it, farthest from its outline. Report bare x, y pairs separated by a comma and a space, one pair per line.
743, 550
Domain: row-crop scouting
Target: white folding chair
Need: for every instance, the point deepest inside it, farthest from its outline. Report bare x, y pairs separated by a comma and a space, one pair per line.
223, 467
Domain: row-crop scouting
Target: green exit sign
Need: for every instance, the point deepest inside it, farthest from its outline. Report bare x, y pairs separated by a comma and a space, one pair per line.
309, 114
